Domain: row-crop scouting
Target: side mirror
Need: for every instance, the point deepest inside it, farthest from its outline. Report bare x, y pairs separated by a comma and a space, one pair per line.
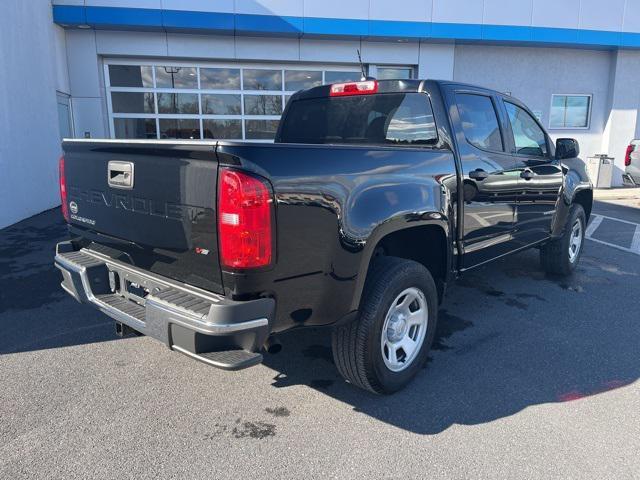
567, 148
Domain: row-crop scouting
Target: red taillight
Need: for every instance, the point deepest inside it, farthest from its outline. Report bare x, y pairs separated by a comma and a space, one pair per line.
244, 220
627, 157
63, 190
355, 88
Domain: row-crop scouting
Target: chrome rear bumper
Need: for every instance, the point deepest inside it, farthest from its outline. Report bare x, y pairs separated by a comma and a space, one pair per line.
211, 328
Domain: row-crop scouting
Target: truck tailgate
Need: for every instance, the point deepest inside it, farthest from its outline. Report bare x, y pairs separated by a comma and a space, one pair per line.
151, 205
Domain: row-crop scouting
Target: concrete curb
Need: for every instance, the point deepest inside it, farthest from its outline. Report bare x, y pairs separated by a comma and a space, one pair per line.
616, 193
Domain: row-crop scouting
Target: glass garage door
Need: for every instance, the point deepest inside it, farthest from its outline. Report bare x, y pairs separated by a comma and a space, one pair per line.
187, 101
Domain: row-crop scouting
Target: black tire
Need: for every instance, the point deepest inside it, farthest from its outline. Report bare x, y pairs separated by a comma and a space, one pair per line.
554, 255
356, 345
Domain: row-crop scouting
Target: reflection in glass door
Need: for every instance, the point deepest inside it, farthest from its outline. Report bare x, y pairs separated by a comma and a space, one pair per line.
207, 100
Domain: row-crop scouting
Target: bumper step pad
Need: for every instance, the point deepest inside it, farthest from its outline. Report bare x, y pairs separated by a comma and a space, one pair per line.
122, 304
185, 301
226, 360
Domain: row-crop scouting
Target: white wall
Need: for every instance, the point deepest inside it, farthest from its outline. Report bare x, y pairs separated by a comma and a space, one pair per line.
534, 74
33, 68
623, 122
86, 82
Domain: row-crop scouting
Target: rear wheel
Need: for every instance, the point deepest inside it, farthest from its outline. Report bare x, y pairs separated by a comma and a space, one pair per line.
388, 342
561, 255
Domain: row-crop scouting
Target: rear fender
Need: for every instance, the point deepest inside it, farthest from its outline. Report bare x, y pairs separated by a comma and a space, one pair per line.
376, 213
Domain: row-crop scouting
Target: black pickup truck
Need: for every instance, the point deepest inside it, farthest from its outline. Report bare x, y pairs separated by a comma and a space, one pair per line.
374, 196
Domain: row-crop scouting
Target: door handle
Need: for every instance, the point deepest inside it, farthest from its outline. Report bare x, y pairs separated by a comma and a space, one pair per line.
120, 174
527, 174
478, 174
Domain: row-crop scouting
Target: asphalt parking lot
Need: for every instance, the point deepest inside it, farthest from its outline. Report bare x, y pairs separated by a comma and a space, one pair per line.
530, 377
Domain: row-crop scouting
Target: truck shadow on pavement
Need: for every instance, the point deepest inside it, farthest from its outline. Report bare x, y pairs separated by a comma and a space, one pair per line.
35, 313
508, 338
613, 208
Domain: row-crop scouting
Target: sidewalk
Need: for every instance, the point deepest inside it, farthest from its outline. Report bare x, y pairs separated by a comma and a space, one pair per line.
618, 193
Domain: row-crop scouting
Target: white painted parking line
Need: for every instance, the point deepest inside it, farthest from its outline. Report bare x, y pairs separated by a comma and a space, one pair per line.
596, 221
635, 243
613, 245
593, 225
478, 218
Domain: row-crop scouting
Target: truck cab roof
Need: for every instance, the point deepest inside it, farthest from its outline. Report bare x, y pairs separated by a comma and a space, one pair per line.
397, 86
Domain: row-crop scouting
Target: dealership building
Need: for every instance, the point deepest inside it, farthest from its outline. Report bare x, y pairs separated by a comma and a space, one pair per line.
224, 69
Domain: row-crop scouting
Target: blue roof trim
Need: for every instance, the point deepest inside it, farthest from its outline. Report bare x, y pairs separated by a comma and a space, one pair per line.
336, 26
388, 28
179, 20
630, 39
261, 24
462, 31
69, 15
597, 37
185, 20
101, 17
506, 32
554, 35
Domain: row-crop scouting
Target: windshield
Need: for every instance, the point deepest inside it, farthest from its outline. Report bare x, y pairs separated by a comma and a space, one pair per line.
404, 119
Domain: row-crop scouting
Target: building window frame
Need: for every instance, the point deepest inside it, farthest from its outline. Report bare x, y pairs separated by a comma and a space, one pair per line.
567, 95
375, 68
200, 116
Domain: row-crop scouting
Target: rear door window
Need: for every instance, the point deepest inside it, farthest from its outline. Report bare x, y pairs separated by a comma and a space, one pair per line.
402, 119
479, 121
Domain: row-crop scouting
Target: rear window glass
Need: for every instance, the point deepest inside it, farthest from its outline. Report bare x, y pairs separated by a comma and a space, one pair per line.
403, 119
479, 121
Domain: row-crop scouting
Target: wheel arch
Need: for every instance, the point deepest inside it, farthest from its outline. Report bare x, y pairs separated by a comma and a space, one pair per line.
410, 242
576, 189
584, 197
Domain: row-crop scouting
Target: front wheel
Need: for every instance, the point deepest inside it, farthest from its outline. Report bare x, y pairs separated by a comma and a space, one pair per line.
388, 343
561, 255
